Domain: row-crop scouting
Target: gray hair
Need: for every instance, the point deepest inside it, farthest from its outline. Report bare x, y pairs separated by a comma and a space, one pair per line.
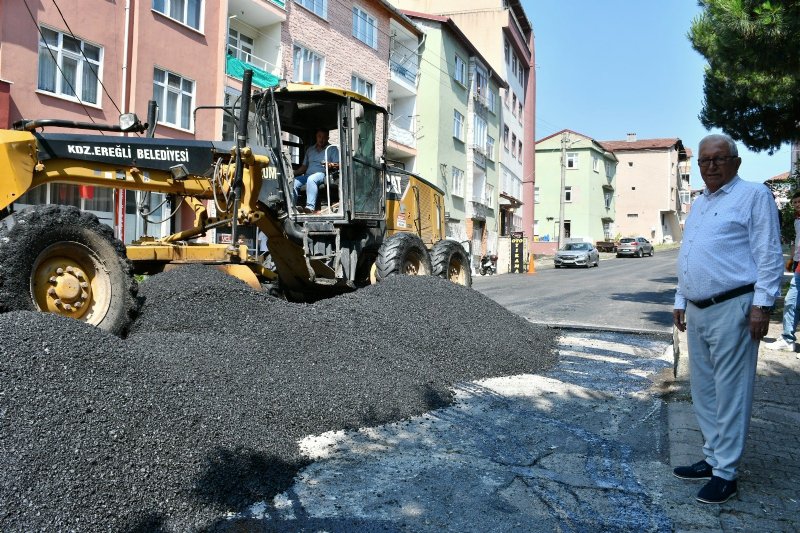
732, 150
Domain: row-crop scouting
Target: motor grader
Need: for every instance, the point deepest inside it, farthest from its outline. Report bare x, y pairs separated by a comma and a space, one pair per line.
373, 221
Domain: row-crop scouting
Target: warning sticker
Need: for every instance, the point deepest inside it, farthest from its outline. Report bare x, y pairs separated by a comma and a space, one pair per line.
401, 220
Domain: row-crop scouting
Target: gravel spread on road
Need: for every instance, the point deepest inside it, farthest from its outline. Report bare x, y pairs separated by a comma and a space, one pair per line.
198, 412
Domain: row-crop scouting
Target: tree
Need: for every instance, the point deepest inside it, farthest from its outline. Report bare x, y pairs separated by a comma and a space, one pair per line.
752, 80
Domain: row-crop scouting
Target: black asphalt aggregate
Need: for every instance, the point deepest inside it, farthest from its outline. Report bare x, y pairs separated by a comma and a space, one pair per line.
198, 411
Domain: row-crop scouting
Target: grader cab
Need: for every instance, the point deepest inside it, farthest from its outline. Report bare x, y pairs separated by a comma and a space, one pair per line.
371, 221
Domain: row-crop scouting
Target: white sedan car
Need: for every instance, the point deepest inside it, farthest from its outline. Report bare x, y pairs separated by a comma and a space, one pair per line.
582, 254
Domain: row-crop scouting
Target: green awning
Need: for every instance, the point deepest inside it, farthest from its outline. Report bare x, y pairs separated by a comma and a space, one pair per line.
261, 78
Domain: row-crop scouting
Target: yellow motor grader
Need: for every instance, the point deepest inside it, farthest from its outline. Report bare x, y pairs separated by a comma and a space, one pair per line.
372, 221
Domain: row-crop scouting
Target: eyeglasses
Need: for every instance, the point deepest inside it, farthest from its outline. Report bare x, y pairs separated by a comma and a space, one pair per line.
718, 161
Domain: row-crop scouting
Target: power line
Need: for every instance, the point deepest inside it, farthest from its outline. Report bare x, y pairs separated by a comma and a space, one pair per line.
86, 58
55, 61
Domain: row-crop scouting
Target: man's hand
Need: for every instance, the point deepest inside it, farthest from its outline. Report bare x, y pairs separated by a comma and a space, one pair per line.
679, 319
759, 323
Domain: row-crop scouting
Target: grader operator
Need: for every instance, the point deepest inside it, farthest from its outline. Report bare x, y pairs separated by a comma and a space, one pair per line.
373, 221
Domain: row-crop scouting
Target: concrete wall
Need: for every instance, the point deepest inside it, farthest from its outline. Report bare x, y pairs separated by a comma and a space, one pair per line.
647, 185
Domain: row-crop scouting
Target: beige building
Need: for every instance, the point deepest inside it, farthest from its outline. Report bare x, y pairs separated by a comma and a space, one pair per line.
649, 187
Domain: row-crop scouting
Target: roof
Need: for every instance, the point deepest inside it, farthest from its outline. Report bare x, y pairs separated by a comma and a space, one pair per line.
644, 144
401, 17
783, 176
606, 151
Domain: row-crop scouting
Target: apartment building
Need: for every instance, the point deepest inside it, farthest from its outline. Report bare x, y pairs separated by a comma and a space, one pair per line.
500, 29
96, 59
459, 125
649, 187
587, 198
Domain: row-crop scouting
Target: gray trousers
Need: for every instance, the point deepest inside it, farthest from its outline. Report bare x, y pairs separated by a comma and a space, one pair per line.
722, 367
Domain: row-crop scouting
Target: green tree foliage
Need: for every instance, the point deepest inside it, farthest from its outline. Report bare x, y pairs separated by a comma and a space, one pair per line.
752, 80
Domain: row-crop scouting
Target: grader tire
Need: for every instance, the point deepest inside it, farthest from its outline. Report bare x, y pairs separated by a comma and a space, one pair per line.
61, 260
450, 261
402, 254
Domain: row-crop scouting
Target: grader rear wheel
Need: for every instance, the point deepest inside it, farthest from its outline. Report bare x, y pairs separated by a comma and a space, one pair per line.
450, 261
58, 259
402, 254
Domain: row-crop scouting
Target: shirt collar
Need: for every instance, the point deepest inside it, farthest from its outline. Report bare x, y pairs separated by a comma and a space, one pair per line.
725, 188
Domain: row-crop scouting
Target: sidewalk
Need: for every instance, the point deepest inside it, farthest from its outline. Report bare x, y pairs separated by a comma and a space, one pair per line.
769, 479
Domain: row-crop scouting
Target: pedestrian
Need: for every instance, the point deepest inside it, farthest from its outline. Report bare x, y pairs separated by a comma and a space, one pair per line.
787, 339
729, 273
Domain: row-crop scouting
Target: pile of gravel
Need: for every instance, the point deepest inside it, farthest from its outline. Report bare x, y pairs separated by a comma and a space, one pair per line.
198, 412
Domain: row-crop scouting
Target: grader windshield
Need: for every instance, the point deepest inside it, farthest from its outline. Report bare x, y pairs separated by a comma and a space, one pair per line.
352, 187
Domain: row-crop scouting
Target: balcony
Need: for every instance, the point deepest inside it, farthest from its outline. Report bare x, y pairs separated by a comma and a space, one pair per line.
404, 71
480, 99
261, 78
480, 208
402, 136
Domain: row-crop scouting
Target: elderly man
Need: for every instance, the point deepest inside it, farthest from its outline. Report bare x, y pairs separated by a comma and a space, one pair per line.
729, 274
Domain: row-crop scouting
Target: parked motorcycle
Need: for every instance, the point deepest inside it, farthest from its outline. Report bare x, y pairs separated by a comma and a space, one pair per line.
488, 265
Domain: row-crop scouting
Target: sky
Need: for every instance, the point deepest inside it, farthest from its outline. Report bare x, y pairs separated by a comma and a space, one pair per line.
606, 68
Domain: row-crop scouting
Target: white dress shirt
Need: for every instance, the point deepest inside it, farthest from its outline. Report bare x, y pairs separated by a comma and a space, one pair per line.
731, 238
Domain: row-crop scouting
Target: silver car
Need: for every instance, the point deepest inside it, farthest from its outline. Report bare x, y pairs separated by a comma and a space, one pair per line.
582, 254
634, 247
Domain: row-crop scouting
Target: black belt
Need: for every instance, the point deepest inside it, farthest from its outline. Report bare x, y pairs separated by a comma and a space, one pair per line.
733, 293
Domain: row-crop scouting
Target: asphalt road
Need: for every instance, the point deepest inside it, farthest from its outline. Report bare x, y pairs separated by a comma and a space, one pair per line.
622, 294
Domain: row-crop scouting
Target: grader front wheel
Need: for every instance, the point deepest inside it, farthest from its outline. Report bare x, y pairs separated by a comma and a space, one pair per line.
402, 254
451, 262
60, 260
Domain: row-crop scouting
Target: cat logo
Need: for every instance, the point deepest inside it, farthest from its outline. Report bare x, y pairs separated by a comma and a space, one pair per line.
270, 173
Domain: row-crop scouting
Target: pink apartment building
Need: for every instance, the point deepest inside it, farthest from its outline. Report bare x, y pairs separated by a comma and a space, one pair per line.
91, 60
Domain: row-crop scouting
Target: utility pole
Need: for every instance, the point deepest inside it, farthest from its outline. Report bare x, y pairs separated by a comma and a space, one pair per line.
564, 142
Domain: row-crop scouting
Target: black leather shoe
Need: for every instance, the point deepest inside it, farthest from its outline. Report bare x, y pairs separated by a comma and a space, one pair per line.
699, 470
718, 490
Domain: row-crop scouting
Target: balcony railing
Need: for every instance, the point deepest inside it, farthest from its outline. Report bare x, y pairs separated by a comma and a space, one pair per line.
407, 72
402, 136
247, 57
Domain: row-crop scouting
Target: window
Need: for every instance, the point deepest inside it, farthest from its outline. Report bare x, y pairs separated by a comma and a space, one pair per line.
633, 215
175, 97
69, 67
514, 63
481, 83
490, 147
595, 163
461, 72
188, 12
536, 197
505, 137
318, 7
365, 27
608, 196
514, 104
519, 110
479, 132
572, 159
513, 145
519, 150
458, 126
240, 45
492, 100
507, 51
609, 169
457, 186
361, 86
307, 65
488, 195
